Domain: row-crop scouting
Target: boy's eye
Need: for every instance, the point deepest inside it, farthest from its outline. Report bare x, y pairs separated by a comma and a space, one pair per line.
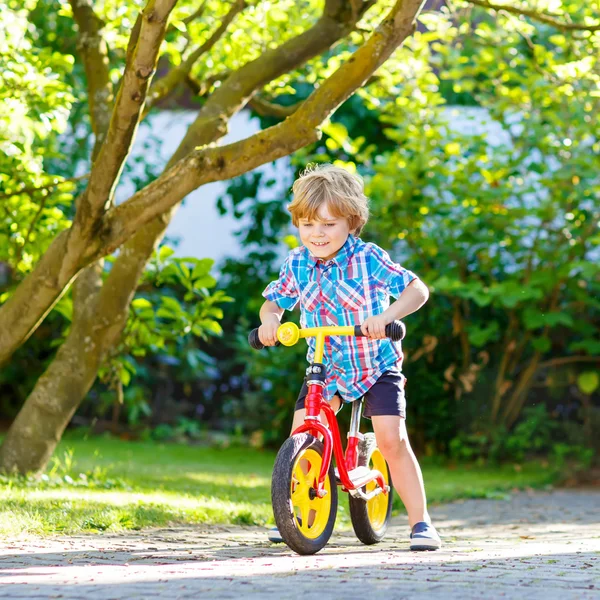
329, 224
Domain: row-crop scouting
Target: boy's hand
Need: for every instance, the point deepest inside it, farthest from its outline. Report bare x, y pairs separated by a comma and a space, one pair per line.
374, 327
267, 332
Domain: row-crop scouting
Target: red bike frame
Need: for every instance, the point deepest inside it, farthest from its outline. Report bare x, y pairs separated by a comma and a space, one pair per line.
314, 404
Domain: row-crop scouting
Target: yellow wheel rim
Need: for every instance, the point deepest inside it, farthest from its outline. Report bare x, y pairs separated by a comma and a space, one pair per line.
311, 513
377, 507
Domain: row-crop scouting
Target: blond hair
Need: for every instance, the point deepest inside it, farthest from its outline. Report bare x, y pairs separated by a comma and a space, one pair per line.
342, 191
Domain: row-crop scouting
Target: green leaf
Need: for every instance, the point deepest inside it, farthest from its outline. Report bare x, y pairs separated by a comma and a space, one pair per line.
558, 318
215, 312
141, 303
337, 132
65, 307
165, 313
446, 284
210, 326
592, 347
208, 281
533, 318
171, 304
588, 382
541, 344
480, 336
124, 376
165, 252
202, 268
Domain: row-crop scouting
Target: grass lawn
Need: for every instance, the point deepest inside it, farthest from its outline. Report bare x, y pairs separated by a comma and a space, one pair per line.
103, 484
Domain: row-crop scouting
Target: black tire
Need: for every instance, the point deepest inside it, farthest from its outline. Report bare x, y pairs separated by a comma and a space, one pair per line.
367, 529
284, 478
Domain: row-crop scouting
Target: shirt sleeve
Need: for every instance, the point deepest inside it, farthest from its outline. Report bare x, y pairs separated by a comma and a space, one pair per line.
387, 274
284, 291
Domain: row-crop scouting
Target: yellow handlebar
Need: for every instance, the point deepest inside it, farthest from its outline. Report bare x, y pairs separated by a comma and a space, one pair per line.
289, 334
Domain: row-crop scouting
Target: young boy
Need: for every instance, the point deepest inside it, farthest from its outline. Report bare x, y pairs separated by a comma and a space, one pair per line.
341, 280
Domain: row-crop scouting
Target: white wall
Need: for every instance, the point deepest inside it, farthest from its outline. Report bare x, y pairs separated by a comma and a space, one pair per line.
199, 228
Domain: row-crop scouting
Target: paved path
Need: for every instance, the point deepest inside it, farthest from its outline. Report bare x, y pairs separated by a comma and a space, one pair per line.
537, 545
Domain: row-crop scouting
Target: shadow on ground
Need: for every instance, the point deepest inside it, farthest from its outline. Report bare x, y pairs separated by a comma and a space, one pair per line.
536, 545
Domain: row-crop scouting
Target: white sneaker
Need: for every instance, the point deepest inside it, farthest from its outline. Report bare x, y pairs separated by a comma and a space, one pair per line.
424, 537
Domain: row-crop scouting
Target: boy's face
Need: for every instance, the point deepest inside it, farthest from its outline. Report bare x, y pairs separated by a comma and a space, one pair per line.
325, 235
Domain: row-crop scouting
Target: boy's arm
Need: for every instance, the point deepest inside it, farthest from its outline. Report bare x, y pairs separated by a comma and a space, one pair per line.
410, 300
270, 317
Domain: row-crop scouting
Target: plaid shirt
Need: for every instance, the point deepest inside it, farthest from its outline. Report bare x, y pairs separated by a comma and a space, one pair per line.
345, 290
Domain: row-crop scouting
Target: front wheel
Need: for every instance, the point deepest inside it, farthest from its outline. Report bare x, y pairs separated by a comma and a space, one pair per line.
370, 518
304, 520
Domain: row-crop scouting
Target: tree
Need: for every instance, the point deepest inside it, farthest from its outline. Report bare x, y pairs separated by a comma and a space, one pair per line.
503, 227
337, 47
494, 207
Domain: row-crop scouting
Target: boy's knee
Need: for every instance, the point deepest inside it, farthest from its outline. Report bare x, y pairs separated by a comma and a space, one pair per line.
392, 445
298, 420
336, 403
391, 434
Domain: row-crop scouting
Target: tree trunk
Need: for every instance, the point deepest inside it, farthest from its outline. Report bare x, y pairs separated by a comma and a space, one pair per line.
96, 327
35, 297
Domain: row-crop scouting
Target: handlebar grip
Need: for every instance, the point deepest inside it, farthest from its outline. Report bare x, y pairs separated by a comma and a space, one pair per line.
395, 331
255, 342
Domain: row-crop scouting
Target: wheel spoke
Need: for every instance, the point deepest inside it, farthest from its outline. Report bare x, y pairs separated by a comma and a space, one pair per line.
304, 507
312, 477
299, 475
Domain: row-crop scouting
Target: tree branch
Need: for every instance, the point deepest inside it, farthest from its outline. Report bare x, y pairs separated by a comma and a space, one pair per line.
94, 54
201, 89
42, 288
177, 75
337, 20
270, 109
565, 360
508, 346
206, 165
125, 117
536, 16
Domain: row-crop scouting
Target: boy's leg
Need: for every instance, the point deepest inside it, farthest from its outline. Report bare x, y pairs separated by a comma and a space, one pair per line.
392, 440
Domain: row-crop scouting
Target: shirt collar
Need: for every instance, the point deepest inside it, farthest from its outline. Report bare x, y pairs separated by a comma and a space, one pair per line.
340, 259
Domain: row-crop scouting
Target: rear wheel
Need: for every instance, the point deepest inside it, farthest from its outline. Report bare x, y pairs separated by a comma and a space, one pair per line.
304, 520
370, 518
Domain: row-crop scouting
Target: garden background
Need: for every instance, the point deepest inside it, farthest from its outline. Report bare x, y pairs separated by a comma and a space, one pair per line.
139, 355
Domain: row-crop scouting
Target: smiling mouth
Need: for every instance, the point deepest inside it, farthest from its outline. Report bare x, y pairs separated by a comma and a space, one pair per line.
320, 243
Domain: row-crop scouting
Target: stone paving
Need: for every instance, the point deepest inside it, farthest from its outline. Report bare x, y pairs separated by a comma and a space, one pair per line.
535, 545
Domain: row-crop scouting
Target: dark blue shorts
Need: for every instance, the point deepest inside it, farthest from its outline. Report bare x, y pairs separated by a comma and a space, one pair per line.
385, 398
